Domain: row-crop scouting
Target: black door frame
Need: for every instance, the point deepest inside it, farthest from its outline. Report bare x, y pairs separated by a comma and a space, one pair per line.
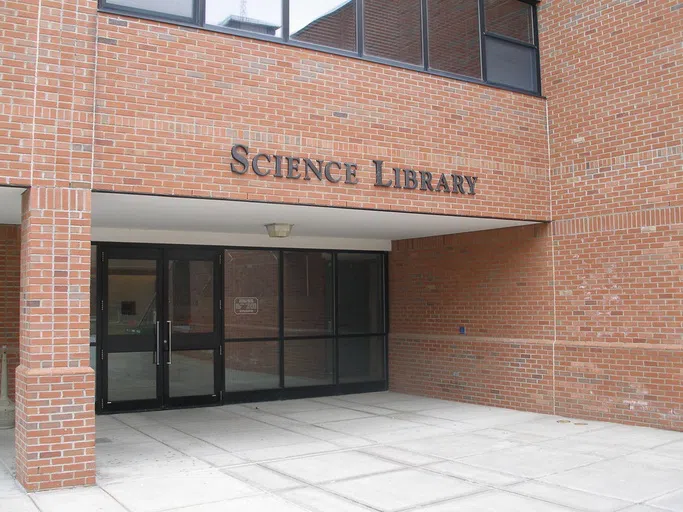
163, 351
222, 397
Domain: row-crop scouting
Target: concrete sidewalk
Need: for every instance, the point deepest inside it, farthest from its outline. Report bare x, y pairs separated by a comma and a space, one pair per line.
379, 451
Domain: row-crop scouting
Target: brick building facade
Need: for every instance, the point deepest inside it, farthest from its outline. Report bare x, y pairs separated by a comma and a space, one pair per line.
556, 287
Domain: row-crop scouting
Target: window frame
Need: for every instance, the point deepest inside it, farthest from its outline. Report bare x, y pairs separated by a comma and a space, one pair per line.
198, 21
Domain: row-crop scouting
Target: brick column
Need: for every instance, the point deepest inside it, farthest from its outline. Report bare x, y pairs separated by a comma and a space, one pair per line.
55, 386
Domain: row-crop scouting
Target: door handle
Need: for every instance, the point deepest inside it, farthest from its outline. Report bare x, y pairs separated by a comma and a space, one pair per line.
170, 340
156, 350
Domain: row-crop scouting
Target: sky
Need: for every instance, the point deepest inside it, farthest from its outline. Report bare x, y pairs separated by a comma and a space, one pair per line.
302, 12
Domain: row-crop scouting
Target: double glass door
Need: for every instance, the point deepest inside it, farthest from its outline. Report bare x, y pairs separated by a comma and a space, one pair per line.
161, 334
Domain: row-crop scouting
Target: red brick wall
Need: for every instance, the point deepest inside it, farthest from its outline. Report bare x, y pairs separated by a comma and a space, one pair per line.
171, 101
18, 29
612, 350
9, 298
613, 79
498, 286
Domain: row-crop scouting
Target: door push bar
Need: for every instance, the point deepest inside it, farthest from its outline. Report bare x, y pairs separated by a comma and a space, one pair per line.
170, 341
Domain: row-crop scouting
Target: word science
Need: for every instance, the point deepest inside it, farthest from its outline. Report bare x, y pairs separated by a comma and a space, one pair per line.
294, 168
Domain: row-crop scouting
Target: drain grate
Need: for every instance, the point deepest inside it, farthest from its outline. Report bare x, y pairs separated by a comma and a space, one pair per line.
102, 440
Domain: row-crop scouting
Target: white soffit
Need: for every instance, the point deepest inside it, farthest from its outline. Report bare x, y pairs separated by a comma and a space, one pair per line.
10, 205
160, 219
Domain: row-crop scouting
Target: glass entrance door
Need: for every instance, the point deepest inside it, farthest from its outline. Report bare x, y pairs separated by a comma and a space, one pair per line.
192, 328
160, 328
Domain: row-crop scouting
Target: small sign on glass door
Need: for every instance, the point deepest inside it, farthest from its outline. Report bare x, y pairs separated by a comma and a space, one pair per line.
246, 305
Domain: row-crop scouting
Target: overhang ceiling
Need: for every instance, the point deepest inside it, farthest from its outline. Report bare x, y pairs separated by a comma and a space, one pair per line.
115, 214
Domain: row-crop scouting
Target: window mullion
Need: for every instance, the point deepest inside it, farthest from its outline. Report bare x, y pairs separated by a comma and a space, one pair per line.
425, 34
360, 32
200, 12
285, 20
482, 40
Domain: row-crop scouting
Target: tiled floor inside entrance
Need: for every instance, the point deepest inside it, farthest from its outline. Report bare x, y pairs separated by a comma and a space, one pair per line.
370, 452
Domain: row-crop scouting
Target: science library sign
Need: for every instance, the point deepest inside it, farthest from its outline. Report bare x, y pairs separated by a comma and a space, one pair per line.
294, 168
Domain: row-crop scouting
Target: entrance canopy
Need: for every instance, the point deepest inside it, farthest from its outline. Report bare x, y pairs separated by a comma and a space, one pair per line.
173, 220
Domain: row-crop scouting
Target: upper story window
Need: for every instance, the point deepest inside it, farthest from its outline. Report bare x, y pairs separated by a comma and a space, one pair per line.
489, 41
172, 9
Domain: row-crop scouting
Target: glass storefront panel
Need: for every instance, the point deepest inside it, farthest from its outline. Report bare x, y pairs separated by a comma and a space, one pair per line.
361, 359
361, 293
309, 362
252, 365
293, 319
251, 294
308, 294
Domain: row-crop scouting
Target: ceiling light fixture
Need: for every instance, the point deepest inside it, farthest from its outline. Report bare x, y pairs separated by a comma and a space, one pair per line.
277, 230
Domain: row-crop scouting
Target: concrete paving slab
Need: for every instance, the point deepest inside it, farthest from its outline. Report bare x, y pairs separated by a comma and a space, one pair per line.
222, 459
576, 500
400, 490
326, 415
671, 502
317, 500
263, 478
85, 499
456, 446
406, 434
602, 450
495, 501
154, 494
251, 504
640, 437
287, 451
17, 504
641, 508
218, 458
473, 474
401, 456
369, 426
529, 461
622, 479
554, 427
333, 466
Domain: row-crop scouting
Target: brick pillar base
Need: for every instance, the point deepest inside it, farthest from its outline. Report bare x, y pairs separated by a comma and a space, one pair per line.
55, 427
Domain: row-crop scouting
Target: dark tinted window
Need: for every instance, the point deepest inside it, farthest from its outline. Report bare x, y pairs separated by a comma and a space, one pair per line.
308, 289
393, 30
454, 36
251, 294
325, 23
360, 296
258, 16
361, 359
510, 18
511, 64
179, 8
